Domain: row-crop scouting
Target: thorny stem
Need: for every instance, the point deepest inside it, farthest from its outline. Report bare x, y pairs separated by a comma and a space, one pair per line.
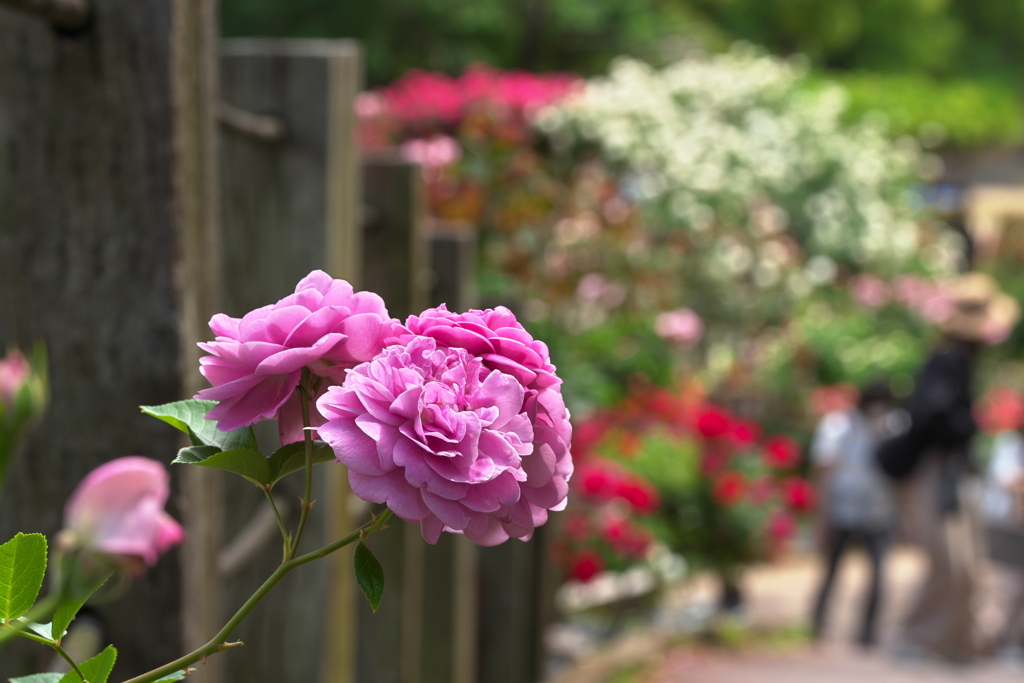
219, 642
307, 440
280, 522
59, 649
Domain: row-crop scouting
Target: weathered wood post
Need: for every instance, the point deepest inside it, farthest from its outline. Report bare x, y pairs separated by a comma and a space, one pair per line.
105, 134
290, 205
450, 619
396, 264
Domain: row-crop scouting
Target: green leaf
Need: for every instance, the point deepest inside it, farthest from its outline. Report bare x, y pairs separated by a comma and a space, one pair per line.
96, 670
44, 630
292, 458
22, 567
251, 464
369, 574
67, 608
38, 678
189, 417
176, 676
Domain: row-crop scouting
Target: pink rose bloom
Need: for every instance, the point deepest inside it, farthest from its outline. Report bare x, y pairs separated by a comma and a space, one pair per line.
681, 326
14, 372
869, 291
255, 363
460, 426
118, 509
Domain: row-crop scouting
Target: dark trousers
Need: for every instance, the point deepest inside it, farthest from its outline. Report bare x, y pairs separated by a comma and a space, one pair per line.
875, 543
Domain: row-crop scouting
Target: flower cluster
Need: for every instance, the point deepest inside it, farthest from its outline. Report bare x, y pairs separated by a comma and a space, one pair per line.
255, 363
422, 97
603, 532
736, 145
455, 421
727, 493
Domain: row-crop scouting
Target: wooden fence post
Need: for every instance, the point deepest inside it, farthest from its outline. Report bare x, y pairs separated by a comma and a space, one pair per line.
290, 205
196, 98
105, 136
395, 266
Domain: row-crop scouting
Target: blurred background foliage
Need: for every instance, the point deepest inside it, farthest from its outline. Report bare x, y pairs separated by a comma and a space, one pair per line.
896, 56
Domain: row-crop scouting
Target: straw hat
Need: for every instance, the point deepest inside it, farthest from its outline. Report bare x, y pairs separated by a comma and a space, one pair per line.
979, 311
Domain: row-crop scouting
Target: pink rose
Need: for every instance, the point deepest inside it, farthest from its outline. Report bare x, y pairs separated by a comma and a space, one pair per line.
869, 291
255, 363
681, 326
14, 372
118, 509
459, 426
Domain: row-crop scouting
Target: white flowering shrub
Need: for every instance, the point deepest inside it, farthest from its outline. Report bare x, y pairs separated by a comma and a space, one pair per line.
756, 166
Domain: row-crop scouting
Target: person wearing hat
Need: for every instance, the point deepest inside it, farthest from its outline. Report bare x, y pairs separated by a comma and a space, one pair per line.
940, 623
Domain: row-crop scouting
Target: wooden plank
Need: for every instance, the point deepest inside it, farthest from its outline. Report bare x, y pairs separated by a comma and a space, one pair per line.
202, 491
450, 568
395, 260
88, 244
291, 207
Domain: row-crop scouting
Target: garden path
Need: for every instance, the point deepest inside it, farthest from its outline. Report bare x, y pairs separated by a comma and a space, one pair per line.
779, 596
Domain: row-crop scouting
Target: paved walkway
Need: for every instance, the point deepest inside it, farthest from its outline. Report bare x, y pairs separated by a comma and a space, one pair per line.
780, 596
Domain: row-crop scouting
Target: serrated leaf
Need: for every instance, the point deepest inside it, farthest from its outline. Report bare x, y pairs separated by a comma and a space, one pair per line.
189, 416
250, 464
38, 678
369, 575
69, 604
22, 567
96, 670
176, 676
292, 458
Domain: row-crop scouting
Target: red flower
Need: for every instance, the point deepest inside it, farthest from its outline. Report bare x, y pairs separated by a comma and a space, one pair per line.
713, 422
782, 452
640, 495
799, 494
999, 410
588, 435
729, 488
713, 461
597, 481
586, 565
744, 433
781, 526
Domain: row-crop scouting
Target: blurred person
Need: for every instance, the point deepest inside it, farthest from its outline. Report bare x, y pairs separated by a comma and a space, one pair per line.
1002, 505
940, 623
857, 503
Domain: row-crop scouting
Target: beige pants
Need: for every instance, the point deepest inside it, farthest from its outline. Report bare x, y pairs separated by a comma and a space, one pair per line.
941, 620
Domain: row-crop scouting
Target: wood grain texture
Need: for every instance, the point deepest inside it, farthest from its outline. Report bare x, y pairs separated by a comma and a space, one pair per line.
289, 207
87, 249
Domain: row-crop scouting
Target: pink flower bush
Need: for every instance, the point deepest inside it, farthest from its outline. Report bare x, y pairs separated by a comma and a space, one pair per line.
118, 509
255, 362
459, 425
432, 153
